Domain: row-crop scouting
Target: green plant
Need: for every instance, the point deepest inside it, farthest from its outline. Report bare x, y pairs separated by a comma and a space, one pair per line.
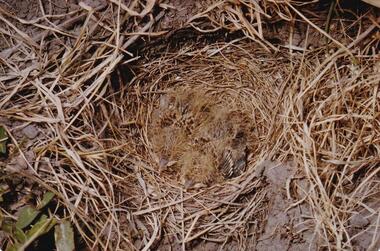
32, 223
3, 141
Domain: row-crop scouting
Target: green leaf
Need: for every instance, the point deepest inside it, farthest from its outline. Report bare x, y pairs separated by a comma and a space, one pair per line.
7, 227
64, 237
41, 227
27, 215
14, 247
19, 235
45, 200
3, 141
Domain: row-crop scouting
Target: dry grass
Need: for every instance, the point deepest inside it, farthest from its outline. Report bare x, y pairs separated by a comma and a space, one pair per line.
212, 209
331, 110
318, 108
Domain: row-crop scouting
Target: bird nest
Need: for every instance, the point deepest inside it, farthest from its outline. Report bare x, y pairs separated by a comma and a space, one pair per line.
169, 147
199, 136
196, 125
194, 130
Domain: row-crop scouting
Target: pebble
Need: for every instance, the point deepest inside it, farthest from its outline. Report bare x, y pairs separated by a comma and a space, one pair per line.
30, 131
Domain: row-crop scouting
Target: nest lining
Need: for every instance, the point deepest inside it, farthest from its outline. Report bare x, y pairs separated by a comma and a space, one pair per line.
187, 113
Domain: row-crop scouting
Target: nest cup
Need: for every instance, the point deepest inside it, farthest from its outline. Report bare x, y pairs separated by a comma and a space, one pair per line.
197, 121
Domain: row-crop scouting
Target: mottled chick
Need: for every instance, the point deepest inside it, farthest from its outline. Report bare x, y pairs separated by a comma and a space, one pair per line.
233, 160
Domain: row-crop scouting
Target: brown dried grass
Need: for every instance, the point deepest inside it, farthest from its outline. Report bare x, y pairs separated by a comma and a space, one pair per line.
229, 79
317, 108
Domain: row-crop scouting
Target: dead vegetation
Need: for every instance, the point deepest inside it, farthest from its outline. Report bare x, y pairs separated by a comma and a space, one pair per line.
135, 145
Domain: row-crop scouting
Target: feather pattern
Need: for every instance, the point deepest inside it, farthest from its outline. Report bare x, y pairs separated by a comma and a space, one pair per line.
234, 158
